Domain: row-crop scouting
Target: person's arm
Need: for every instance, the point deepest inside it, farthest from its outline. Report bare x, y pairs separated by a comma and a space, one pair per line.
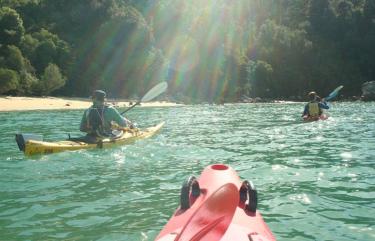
323, 105
118, 118
306, 110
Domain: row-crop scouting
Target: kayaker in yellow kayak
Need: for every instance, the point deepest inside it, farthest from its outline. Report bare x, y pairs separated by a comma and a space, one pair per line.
97, 121
315, 105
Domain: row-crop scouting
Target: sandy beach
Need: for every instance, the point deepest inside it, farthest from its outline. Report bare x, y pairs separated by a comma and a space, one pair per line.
9, 103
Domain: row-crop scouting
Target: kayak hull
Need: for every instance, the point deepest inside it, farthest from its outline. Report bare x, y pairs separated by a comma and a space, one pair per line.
32, 147
315, 118
218, 213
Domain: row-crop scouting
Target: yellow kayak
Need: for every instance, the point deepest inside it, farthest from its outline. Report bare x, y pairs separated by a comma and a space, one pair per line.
31, 147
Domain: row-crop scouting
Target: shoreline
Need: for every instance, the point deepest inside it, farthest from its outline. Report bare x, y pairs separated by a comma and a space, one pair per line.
10, 103
19, 103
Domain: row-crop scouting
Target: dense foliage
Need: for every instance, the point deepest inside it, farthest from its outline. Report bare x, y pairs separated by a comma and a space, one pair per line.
212, 50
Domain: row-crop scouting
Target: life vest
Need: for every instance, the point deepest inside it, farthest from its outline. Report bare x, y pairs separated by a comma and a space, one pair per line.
314, 109
95, 120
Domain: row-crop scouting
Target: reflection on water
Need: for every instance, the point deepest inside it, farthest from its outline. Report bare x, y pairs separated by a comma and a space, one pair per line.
315, 180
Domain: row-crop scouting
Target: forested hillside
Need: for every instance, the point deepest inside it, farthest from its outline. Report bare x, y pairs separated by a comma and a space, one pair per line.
211, 50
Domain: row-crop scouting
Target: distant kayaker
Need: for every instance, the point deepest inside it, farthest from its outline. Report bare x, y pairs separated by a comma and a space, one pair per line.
98, 120
315, 105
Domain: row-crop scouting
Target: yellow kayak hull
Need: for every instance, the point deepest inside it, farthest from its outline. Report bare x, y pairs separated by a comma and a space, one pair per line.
33, 147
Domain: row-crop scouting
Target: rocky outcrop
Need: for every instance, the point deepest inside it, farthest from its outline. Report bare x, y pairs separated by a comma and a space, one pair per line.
368, 91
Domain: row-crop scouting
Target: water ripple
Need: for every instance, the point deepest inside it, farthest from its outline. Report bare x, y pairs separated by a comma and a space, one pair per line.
315, 180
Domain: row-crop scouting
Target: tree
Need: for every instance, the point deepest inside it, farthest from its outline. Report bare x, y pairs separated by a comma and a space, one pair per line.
28, 45
260, 77
123, 48
44, 54
14, 59
8, 80
49, 49
27, 83
276, 48
11, 27
51, 80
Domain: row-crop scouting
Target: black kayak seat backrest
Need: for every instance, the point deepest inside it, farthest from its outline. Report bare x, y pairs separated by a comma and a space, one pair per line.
21, 139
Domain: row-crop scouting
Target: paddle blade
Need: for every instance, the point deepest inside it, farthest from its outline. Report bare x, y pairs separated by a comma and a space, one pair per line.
155, 91
334, 93
152, 93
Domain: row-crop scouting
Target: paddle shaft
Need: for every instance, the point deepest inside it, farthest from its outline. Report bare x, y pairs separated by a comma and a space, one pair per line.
151, 94
131, 107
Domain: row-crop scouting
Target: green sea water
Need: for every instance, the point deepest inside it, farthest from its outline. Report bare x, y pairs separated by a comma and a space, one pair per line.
315, 181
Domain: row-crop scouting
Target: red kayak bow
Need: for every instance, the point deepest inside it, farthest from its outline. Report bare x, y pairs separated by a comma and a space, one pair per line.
217, 206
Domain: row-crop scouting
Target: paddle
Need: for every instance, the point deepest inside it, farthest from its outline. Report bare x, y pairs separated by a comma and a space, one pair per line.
151, 94
334, 93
